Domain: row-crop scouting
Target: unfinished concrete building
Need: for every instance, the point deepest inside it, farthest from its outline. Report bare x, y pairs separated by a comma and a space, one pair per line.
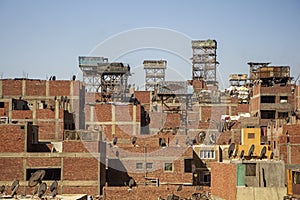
110, 79
204, 61
154, 73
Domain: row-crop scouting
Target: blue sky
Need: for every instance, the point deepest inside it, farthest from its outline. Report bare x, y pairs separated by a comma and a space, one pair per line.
40, 38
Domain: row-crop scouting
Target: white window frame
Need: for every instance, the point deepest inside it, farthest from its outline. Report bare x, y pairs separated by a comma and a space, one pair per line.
207, 154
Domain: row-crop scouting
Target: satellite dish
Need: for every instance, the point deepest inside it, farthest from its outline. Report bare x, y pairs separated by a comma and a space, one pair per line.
179, 188
263, 153
2, 189
251, 150
272, 156
133, 140
201, 136
35, 191
53, 188
131, 183
36, 178
236, 152
231, 149
14, 187
242, 154
54, 193
42, 189
212, 139
115, 140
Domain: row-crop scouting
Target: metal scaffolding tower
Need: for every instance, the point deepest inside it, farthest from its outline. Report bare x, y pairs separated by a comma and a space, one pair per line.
101, 76
175, 98
155, 73
205, 60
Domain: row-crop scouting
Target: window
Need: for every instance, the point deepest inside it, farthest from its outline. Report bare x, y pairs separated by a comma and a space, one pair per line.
267, 99
188, 165
168, 167
296, 177
1, 104
251, 169
268, 114
207, 154
204, 179
139, 166
162, 142
149, 165
251, 135
283, 99
283, 115
51, 173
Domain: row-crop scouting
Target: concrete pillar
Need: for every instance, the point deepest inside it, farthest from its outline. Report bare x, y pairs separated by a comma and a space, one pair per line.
34, 106
47, 88
92, 115
10, 107
288, 152
23, 87
1, 95
70, 106
297, 99
56, 119
200, 113
113, 119
134, 119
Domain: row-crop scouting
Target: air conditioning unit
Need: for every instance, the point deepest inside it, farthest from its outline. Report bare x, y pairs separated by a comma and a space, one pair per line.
283, 101
4, 120
41, 105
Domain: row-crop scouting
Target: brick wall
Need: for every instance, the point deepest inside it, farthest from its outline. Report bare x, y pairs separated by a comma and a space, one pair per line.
90, 190
80, 169
290, 133
123, 113
59, 88
242, 108
35, 88
43, 162
103, 113
21, 114
223, 180
45, 114
198, 85
12, 87
143, 96
12, 138
150, 192
11, 168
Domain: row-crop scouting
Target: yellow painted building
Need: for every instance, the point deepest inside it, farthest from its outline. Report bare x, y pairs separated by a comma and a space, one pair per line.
251, 146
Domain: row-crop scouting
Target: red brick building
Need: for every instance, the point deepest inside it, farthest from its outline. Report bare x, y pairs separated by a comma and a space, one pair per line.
38, 122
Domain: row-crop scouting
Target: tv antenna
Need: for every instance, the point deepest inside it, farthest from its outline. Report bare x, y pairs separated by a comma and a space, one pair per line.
14, 188
263, 152
42, 189
53, 189
36, 178
231, 149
